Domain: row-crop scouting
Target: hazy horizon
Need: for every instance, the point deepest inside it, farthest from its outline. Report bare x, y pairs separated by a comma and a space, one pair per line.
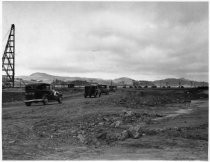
108, 78
108, 40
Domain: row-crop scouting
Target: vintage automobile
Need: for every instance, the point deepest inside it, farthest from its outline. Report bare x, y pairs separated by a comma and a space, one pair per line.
104, 89
92, 90
41, 92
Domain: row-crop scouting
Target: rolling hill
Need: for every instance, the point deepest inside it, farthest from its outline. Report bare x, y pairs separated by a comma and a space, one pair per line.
173, 82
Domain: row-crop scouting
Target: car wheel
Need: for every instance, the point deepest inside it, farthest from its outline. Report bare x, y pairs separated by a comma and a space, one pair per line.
60, 100
95, 95
45, 101
28, 103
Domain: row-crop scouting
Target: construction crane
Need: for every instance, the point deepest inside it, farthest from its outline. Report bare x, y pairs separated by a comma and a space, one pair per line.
8, 60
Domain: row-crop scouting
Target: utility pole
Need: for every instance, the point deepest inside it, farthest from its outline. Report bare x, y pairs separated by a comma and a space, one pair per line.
8, 59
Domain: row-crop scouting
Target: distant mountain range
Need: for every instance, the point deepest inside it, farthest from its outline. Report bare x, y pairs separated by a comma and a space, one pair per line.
47, 78
173, 82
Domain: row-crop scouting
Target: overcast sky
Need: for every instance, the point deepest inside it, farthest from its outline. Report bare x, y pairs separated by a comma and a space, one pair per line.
143, 41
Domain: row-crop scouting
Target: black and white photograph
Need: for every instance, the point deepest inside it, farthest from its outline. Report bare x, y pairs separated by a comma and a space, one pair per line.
105, 80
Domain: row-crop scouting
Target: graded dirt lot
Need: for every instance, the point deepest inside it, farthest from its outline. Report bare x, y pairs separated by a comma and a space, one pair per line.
130, 124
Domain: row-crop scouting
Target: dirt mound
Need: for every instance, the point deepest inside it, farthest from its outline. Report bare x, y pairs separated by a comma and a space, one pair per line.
131, 99
103, 129
95, 129
137, 99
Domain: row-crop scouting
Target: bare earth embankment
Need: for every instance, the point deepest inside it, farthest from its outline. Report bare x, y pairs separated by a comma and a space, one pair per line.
129, 124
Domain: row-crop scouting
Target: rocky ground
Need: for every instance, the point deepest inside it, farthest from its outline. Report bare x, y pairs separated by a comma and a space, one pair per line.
126, 125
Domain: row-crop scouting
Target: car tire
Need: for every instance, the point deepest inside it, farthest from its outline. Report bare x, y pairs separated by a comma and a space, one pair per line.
95, 95
28, 103
60, 100
45, 101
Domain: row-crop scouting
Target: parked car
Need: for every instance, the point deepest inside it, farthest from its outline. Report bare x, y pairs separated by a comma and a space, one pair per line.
104, 89
92, 90
41, 92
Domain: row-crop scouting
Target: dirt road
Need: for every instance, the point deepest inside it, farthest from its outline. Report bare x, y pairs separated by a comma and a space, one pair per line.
113, 127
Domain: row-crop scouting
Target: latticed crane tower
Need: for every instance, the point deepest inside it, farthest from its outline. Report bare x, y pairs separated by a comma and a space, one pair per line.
8, 60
